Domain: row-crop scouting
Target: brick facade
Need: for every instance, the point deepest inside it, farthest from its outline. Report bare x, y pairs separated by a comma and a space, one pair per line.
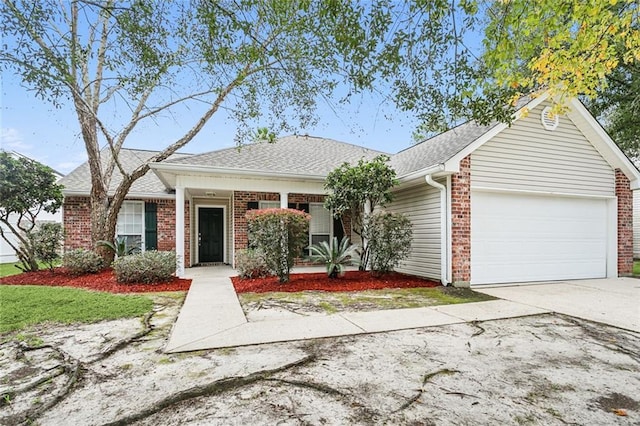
76, 219
77, 224
461, 224
625, 224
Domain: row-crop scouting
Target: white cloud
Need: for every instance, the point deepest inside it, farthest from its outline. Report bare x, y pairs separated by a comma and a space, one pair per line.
75, 160
11, 140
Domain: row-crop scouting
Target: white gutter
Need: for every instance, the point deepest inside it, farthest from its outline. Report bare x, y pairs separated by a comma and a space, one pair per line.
444, 252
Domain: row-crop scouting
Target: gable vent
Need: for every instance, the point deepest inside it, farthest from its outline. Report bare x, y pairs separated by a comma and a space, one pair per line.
549, 120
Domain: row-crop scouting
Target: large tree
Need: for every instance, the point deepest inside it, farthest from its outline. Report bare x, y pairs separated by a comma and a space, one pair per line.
119, 63
269, 62
27, 188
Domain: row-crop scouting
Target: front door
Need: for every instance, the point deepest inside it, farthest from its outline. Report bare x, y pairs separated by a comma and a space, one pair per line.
210, 235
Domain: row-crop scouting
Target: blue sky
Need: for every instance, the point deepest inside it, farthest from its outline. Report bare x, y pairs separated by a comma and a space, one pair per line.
37, 129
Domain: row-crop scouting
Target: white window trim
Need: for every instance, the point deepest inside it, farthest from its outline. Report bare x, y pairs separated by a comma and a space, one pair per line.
144, 225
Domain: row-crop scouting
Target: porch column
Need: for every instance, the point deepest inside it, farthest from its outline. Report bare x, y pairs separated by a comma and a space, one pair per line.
284, 200
180, 230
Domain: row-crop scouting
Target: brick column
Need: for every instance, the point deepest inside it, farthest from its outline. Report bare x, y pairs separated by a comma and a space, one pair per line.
461, 224
625, 224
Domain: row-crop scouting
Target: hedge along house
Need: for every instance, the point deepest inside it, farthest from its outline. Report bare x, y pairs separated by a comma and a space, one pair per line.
547, 198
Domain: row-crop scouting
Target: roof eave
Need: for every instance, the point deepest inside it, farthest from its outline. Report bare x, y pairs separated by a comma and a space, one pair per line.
145, 195
176, 168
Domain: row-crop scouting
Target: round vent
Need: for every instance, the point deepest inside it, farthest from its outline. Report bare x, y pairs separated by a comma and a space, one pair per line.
549, 119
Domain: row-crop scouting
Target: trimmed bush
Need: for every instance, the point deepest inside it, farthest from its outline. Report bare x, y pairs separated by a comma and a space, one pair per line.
281, 234
46, 242
251, 264
389, 238
149, 267
82, 261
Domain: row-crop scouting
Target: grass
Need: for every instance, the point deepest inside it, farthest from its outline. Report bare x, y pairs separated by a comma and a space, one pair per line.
332, 302
24, 306
7, 269
636, 267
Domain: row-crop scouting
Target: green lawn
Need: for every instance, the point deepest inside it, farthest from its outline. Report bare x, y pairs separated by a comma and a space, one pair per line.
636, 267
23, 306
7, 269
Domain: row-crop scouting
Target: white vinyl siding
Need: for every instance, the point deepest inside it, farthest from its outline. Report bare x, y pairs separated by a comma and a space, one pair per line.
421, 204
528, 157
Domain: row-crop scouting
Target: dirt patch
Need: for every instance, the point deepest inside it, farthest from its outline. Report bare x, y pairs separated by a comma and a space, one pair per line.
102, 281
616, 403
116, 373
350, 281
261, 306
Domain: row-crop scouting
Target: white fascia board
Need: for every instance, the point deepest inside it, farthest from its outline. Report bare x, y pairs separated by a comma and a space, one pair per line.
420, 174
453, 164
604, 144
177, 168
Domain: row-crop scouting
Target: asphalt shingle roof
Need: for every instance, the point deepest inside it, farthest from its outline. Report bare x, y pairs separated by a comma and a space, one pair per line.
302, 155
79, 180
437, 149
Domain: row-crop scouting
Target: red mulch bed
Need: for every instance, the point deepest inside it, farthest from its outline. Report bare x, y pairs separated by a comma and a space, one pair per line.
351, 281
102, 281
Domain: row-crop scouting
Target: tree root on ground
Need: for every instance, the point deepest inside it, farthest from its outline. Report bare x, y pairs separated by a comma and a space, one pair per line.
148, 328
210, 389
420, 391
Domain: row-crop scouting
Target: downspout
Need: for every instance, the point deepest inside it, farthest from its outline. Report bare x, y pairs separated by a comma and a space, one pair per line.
444, 252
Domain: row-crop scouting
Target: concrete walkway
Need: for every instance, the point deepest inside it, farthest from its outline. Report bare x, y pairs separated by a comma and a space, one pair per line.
612, 301
211, 317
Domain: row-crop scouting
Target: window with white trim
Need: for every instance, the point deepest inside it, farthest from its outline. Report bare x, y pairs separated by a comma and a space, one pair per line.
130, 226
269, 205
320, 226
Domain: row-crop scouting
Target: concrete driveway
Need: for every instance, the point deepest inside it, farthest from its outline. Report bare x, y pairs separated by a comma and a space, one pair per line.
613, 301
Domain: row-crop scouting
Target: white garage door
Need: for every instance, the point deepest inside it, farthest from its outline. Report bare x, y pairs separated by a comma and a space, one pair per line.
519, 238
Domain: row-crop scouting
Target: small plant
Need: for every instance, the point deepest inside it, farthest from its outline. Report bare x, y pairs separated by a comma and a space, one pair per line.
82, 261
118, 247
251, 264
46, 241
389, 238
335, 255
149, 267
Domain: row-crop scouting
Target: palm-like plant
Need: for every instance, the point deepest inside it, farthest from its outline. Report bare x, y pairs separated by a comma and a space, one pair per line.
335, 255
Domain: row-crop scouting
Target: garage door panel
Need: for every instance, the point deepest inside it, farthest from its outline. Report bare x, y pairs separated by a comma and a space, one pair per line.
518, 238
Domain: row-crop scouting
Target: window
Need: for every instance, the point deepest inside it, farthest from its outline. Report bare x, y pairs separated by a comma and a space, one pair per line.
320, 226
130, 225
269, 205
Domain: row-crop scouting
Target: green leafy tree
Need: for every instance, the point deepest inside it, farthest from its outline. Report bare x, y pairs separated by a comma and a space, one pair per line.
280, 234
618, 108
357, 190
389, 236
26, 189
120, 64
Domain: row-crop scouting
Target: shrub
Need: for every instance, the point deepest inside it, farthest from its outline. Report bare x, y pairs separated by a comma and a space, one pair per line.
251, 264
335, 255
148, 267
118, 247
82, 261
389, 238
281, 234
46, 242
